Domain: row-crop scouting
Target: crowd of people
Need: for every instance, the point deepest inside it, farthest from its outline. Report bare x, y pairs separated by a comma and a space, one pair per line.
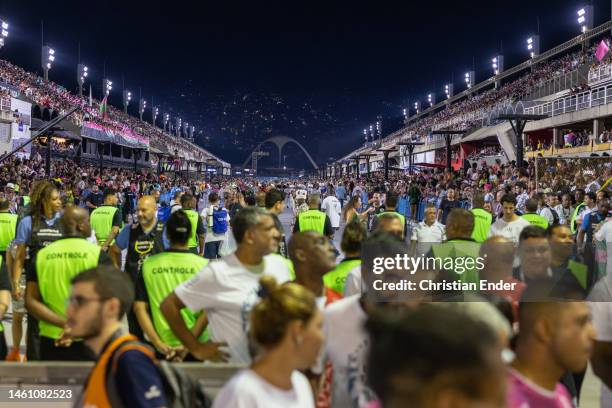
206, 270
51, 95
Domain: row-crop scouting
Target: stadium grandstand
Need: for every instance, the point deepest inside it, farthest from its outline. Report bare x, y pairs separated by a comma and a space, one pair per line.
567, 84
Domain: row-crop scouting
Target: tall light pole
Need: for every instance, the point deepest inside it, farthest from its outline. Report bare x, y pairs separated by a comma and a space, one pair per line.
585, 18
3, 32
417, 107
47, 59
469, 79
166, 121
497, 63
533, 45
431, 99
107, 86
127, 98
154, 113
141, 107
82, 72
449, 90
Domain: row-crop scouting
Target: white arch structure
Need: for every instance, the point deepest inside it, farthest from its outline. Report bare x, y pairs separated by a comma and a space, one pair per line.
280, 142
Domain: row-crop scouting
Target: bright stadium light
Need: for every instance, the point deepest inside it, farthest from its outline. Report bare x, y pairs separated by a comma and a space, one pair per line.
107, 86
431, 98
47, 57
417, 107
405, 113
82, 71
469, 79
585, 18
4, 33
365, 134
533, 45
449, 90
127, 98
142, 106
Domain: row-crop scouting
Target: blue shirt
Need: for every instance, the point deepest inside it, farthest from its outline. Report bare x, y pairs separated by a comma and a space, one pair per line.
24, 228
590, 220
340, 192
138, 381
123, 238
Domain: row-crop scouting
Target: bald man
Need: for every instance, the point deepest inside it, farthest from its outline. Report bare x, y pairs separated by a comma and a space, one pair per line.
390, 222
144, 238
312, 256
48, 283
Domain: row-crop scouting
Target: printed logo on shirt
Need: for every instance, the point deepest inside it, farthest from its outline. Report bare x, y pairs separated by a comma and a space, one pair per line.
152, 393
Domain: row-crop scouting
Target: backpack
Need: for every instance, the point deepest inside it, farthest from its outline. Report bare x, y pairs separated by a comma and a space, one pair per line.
180, 389
554, 214
219, 216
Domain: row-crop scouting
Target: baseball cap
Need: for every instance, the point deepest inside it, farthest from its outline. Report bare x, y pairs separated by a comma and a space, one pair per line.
10, 185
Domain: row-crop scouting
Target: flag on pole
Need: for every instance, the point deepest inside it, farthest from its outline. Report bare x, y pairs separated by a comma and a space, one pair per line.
602, 50
90, 98
104, 108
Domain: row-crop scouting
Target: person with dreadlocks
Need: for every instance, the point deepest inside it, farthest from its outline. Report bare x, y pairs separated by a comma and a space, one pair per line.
35, 231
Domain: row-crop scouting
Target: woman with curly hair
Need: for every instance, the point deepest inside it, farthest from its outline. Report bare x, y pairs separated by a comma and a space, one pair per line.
37, 229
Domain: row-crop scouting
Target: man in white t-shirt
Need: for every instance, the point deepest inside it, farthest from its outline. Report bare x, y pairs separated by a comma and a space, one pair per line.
216, 229
227, 290
331, 207
510, 225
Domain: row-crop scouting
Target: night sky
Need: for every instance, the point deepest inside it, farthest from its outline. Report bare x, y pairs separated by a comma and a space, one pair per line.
318, 72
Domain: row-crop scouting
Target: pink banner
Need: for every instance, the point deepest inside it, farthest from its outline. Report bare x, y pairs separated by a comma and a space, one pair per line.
602, 50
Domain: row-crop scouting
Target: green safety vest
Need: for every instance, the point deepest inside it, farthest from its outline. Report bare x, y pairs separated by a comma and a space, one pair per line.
535, 219
101, 220
8, 226
56, 265
482, 224
193, 219
458, 248
580, 272
26, 200
312, 220
573, 226
1, 325
162, 273
336, 278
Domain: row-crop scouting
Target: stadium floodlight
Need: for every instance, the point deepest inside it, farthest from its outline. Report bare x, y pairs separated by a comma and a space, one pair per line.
498, 64
449, 90
155, 112
47, 58
142, 106
585, 18
431, 98
533, 45
469, 79
4, 32
127, 98
365, 135
82, 72
417, 107
107, 86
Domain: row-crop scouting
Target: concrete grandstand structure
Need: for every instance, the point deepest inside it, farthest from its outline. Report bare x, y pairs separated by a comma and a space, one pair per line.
565, 84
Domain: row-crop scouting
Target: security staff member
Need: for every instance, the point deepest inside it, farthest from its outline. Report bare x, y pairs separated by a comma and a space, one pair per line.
531, 207
34, 232
144, 238
5, 298
196, 237
313, 219
106, 219
161, 274
8, 227
482, 219
48, 285
390, 208
459, 244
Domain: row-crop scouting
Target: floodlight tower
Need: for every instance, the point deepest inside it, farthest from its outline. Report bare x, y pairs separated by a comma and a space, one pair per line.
47, 59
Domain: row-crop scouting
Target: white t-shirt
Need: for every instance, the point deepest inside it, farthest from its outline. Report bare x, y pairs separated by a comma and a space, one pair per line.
227, 291
426, 235
509, 230
246, 389
346, 346
602, 321
331, 206
207, 216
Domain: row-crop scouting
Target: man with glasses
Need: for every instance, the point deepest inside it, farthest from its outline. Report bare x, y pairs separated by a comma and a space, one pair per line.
48, 283
98, 301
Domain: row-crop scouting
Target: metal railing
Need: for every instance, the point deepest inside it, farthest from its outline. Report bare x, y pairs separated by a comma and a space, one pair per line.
600, 74
595, 97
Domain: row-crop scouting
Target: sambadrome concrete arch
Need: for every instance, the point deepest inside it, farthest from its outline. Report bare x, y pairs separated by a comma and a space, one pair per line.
280, 142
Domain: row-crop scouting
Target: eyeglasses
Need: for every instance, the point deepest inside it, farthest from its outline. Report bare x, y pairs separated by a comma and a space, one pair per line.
80, 301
